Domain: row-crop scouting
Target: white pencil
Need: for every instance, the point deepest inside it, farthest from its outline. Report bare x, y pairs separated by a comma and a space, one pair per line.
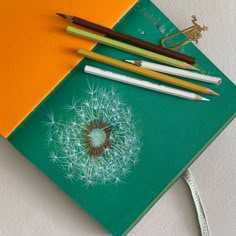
175, 71
141, 83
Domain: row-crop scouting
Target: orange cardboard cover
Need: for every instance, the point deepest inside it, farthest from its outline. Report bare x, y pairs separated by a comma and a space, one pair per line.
37, 53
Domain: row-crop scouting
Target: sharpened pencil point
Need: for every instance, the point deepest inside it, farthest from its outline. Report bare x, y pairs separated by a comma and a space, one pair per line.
213, 92
60, 14
135, 62
205, 99
200, 98
196, 67
190, 67
67, 17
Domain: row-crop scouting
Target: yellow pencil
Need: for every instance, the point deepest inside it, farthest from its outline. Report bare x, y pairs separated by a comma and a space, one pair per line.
142, 71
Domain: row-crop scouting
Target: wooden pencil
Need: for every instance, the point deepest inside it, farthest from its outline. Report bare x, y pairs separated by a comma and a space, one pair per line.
143, 84
128, 48
142, 71
128, 39
176, 71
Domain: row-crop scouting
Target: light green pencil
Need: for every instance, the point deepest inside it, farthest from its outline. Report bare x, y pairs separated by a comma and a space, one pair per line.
129, 48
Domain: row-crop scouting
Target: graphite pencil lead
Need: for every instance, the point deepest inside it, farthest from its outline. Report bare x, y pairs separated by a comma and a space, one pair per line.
60, 14
67, 17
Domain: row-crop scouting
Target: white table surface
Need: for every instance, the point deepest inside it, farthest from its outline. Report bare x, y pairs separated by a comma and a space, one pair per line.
30, 204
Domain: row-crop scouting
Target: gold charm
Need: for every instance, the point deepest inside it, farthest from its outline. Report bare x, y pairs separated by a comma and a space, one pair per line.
192, 33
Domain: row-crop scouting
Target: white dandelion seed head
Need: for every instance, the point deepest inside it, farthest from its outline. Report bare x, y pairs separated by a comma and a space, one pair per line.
100, 143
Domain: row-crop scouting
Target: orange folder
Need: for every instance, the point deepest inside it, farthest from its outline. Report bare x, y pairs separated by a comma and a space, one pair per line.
37, 53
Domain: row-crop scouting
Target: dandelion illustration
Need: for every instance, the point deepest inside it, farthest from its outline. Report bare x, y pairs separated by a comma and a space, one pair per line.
97, 141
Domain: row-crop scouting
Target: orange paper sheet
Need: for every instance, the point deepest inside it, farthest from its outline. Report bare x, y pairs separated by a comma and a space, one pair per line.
37, 53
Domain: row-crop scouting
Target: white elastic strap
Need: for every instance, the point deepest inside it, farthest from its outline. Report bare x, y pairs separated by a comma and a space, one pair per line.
197, 202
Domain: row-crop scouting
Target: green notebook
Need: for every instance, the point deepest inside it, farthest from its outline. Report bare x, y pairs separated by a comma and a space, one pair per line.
115, 148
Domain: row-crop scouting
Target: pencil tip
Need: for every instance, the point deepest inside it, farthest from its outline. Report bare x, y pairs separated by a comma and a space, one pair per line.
205, 99
67, 17
213, 92
60, 14
135, 62
194, 68
197, 97
190, 67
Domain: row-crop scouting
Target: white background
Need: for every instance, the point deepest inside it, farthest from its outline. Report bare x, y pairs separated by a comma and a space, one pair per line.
30, 204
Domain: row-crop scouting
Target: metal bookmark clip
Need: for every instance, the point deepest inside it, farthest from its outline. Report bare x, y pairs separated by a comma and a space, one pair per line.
192, 33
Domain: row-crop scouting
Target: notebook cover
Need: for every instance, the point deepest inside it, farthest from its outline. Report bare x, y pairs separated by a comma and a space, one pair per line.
148, 138
36, 53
